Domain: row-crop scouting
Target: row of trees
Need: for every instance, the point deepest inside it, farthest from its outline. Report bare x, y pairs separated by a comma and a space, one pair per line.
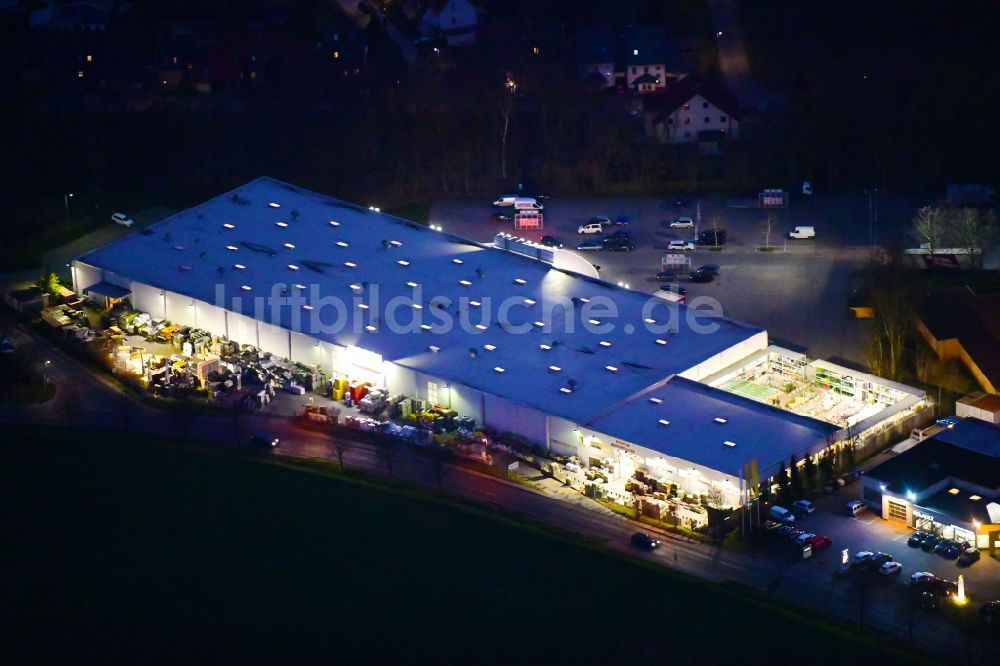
813, 474
967, 228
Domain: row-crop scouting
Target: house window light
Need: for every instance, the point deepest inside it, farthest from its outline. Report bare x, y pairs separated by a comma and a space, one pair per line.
403, 262
282, 224
490, 347
232, 248
227, 225
342, 244
434, 348
246, 287
465, 283
565, 389
293, 267
457, 262
664, 422
661, 341
289, 246
520, 281
274, 205
604, 343
975, 498
719, 419
729, 443
350, 264
239, 267
611, 368
499, 370
655, 401
554, 368
954, 491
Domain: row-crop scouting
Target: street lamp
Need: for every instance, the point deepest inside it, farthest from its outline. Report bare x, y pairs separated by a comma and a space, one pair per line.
66, 198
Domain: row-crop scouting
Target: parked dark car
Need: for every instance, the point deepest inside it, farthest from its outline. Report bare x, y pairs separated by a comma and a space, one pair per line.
957, 549
968, 557
916, 539
618, 245
942, 546
712, 237
878, 559
668, 276
620, 233
644, 541
702, 276
551, 241
710, 268
929, 543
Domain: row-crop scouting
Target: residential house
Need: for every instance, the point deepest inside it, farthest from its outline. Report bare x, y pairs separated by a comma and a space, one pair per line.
456, 21
652, 62
595, 55
694, 109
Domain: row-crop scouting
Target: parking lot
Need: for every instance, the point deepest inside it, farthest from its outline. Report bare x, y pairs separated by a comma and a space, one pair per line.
798, 292
869, 532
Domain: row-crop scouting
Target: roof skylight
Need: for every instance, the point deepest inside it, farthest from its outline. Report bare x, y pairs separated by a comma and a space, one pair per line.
465, 283
293, 267
457, 262
412, 285
656, 401
490, 347
403, 262
554, 368
342, 243
545, 347
289, 246
565, 389
611, 368
529, 302
719, 419
604, 343
334, 223
664, 422
661, 341
227, 225
232, 247
350, 264
274, 205
239, 267
729, 443
246, 287
282, 224
499, 370
307, 307
434, 348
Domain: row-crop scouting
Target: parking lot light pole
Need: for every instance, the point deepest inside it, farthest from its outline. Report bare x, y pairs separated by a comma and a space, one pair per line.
66, 198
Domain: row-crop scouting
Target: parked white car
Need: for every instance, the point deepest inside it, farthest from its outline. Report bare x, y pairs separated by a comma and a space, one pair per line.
683, 246
890, 568
123, 219
683, 222
590, 228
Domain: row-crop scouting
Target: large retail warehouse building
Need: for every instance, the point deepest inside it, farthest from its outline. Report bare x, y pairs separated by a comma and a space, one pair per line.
532, 347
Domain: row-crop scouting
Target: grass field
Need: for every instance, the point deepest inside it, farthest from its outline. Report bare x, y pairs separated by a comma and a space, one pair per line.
158, 552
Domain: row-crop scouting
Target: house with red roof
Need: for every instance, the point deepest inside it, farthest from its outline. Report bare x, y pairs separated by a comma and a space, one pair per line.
693, 109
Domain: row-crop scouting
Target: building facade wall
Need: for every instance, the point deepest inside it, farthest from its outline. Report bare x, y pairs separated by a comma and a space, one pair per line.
724, 359
684, 124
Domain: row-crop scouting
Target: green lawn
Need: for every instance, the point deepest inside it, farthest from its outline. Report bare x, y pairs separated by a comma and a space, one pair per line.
153, 551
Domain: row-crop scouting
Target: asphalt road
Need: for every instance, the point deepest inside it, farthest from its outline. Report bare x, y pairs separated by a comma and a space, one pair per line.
809, 584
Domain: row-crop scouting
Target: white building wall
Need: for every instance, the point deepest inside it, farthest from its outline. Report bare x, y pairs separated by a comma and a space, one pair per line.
564, 438
466, 401
242, 329
273, 339
84, 275
509, 417
210, 317
635, 71
180, 309
400, 380
148, 299
737, 352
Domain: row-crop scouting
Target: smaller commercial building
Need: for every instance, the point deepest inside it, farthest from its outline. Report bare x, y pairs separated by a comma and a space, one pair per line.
948, 484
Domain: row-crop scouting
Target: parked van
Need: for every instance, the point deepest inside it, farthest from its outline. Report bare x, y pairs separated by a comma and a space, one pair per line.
802, 232
527, 203
590, 228
505, 200
782, 515
854, 507
920, 434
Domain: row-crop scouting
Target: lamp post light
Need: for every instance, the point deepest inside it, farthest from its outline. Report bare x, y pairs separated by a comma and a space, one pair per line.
66, 198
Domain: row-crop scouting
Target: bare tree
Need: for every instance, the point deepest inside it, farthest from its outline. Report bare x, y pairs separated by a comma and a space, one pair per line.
716, 498
768, 227
340, 446
385, 448
973, 230
439, 466
506, 108
929, 226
